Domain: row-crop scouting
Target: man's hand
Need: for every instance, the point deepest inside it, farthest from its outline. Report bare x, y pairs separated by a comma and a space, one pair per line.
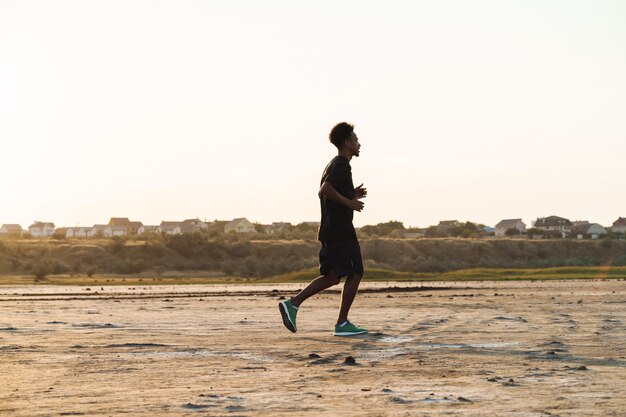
356, 205
360, 192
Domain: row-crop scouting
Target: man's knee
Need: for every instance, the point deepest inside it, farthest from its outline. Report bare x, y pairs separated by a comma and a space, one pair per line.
356, 277
332, 278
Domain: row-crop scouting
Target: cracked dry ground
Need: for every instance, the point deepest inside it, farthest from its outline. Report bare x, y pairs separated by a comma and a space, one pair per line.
495, 348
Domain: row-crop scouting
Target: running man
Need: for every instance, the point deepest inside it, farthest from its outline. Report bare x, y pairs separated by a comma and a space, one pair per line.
340, 255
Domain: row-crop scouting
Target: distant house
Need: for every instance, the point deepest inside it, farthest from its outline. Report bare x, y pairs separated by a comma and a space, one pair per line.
239, 225
193, 225
133, 227
586, 230
77, 232
144, 229
41, 229
619, 225
117, 223
111, 231
553, 223
507, 224
177, 228
170, 228
445, 227
97, 230
60, 231
13, 230
187, 228
277, 227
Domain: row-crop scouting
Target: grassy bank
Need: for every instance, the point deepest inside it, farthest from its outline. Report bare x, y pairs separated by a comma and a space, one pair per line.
282, 259
474, 274
478, 274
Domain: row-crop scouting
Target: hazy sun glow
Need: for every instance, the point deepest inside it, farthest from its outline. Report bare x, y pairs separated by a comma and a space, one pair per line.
168, 110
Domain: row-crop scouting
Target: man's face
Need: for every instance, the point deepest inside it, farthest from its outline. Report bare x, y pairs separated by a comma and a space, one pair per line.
353, 144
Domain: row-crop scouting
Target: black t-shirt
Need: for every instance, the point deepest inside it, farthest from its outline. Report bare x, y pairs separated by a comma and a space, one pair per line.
336, 224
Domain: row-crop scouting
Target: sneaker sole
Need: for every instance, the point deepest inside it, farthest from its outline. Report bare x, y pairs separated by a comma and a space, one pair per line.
283, 313
349, 333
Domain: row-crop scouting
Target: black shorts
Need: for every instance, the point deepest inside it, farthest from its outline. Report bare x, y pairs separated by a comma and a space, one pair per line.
343, 257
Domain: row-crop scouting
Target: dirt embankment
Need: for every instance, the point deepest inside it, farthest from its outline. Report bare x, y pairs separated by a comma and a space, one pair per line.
268, 258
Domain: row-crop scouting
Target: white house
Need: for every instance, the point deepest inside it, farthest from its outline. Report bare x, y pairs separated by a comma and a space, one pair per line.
277, 227
239, 225
111, 231
41, 229
78, 231
588, 231
97, 230
194, 225
507, 224
554, 224
11, 230
170, 228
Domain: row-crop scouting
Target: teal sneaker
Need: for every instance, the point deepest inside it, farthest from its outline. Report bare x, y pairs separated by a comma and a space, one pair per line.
348, 329
289, 315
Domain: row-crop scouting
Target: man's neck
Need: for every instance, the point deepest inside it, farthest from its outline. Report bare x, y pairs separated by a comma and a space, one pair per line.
345, 153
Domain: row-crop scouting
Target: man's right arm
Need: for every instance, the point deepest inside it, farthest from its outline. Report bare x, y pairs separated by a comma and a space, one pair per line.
328, 191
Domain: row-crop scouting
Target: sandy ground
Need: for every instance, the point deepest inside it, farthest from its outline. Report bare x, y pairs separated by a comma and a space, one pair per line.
476, 349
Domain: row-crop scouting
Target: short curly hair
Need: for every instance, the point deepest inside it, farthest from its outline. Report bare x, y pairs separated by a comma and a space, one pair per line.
340, 133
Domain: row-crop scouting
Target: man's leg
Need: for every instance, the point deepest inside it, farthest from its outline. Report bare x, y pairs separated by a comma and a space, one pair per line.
348, 293
317, 285
289, 308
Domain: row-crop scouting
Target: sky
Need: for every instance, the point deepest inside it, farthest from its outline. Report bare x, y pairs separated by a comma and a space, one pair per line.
167, 110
